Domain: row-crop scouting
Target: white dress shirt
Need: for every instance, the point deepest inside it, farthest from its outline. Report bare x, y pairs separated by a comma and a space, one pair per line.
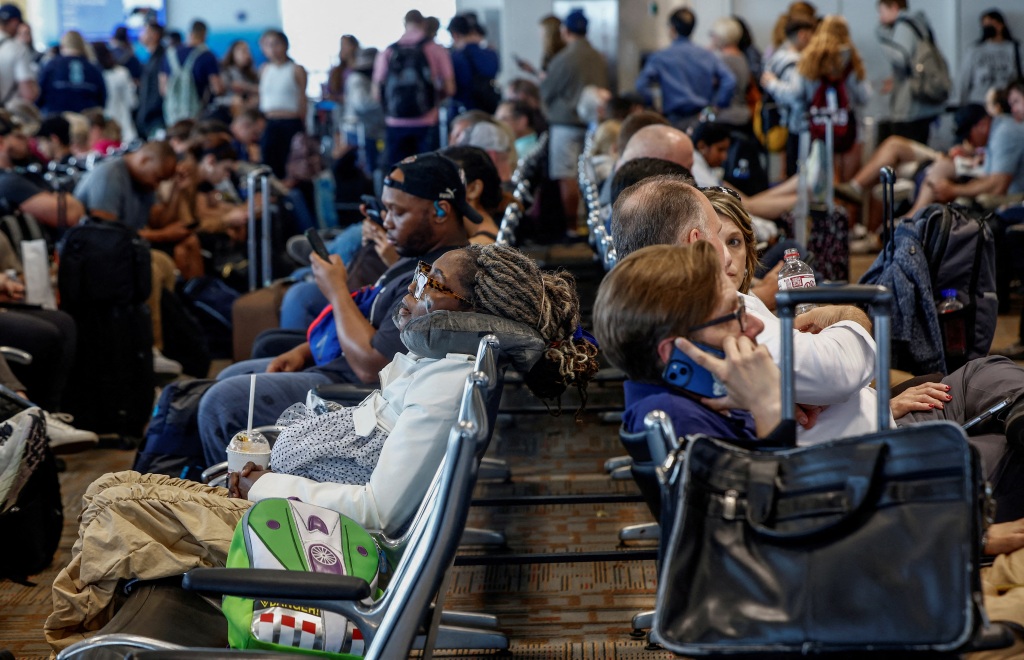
832, 368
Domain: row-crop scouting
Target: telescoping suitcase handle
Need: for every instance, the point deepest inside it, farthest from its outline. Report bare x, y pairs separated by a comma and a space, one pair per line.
879, 302
261, 174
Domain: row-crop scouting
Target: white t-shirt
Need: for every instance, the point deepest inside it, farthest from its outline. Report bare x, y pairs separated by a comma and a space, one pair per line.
832, 368
16, 66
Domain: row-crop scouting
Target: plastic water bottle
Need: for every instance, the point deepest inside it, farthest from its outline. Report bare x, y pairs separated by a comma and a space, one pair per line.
795, 274
954, 333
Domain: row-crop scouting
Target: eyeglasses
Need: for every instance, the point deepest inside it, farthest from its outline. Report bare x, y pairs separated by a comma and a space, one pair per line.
740, 315
423, 280
722, 189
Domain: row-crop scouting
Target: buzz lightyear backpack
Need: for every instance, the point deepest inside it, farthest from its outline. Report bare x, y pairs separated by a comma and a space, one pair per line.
294, 536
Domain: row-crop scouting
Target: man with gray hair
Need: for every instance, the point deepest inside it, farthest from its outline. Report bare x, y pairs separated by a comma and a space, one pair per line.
664, 209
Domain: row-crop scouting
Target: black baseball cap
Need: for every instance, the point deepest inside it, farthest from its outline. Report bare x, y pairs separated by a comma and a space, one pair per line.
9, 12
433, 177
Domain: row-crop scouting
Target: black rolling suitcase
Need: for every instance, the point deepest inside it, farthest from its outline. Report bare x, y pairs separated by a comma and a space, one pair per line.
859, 544
105, 281
829, 235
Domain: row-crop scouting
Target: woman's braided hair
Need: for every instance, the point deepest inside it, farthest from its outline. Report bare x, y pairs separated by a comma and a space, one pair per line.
509, 284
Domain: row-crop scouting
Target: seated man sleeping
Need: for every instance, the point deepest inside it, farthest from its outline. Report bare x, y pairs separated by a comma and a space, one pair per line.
151, 526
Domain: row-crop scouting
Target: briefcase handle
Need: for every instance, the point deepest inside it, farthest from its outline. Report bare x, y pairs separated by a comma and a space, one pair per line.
879, 302
862, 476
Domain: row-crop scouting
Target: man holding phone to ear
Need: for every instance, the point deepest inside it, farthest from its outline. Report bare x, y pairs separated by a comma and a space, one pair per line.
354, 337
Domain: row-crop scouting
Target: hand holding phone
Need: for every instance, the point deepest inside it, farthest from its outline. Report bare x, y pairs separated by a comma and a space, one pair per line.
682, 372
374, 209
317, 243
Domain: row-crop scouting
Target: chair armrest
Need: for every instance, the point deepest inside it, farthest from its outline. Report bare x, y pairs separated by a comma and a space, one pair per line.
214, 471
274, 583
16, 355
345, 393
209, 654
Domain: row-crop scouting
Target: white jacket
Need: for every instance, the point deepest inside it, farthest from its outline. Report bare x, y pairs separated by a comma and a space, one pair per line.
418, 402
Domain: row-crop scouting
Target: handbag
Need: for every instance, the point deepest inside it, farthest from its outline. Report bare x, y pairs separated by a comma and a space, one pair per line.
859, 544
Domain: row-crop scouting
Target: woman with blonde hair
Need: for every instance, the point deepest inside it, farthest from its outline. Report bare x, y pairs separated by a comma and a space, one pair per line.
830, 58
71, 82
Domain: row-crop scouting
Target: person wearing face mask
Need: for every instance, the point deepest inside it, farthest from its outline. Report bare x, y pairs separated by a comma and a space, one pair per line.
994, 61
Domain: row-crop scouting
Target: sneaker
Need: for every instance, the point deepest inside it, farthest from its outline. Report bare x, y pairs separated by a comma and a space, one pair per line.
165, 365
64, 438
858, 231
849, 193
1014, 351
870, 244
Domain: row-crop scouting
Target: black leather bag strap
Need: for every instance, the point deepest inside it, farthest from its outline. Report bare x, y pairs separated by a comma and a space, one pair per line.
864, 471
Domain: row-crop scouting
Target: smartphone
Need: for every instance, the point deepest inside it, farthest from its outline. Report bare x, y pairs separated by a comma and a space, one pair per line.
974, 421
317, 243
684, 373
374, 209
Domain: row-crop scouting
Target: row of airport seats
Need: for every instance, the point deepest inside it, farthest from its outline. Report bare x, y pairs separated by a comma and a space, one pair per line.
408, 616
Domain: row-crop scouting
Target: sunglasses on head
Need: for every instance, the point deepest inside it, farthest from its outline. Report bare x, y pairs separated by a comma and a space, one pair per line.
722, 189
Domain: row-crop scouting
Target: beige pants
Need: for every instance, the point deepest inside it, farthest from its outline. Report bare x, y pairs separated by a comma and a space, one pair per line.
136, 526
164, 274
1003, 585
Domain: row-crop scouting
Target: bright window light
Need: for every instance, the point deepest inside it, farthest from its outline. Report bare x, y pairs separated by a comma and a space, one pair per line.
314, 28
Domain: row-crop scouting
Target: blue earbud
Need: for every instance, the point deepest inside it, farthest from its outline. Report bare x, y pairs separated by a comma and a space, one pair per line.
440, 211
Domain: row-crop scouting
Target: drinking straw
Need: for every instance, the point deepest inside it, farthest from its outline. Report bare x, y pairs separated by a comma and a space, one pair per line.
252, 399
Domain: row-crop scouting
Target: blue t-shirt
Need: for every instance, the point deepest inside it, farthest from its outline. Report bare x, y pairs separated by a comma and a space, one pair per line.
70, 84
204, 67
688, 416
1005, 151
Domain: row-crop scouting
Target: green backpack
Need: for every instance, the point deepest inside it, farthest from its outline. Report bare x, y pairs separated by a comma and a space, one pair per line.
182, 98
291, 535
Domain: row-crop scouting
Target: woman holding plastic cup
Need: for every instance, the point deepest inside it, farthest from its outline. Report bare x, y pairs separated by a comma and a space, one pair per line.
377, 473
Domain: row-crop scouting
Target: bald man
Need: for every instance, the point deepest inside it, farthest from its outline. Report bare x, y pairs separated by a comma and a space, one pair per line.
659, 141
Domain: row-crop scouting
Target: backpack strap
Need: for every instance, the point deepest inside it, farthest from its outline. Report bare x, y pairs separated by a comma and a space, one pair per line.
173, 61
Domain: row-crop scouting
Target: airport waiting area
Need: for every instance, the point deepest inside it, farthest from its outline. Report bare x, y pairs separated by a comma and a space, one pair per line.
601, 329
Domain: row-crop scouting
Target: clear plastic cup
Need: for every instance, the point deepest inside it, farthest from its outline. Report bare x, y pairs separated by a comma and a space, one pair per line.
248, 446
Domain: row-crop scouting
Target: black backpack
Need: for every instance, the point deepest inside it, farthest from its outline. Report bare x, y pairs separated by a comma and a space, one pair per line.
103, 264
31, 513
485, 95
409, 85
960, 250
172, 445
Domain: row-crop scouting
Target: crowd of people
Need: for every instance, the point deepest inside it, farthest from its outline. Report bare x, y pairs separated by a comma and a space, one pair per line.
163, 146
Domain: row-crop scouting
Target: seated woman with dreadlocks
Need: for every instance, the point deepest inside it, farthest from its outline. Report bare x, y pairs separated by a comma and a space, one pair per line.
377, 473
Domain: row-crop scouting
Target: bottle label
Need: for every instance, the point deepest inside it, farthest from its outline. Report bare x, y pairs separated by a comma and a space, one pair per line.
796, 282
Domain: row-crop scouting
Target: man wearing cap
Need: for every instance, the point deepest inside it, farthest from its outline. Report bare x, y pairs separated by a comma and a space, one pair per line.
425, 202
17, 69
573, 68
691, 78
497, 140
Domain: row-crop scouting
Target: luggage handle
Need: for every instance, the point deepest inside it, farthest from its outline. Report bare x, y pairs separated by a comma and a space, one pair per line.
263, 174
865, 468
888, 179
879, 302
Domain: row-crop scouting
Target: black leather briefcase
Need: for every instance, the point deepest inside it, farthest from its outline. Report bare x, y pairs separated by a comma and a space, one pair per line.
860, 544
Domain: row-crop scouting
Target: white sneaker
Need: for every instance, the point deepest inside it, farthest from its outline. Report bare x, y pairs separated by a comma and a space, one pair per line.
64, 438
165, 365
